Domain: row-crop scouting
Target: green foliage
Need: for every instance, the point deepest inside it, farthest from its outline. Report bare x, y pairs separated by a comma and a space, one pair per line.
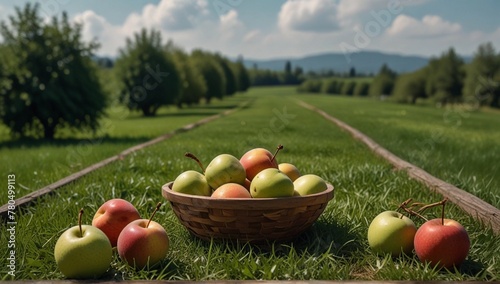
411, 86
148, 76
482, 82
348, 88
260, 77
383, 82
193, 85
330, 86
445, 78
310, 86
213, 73
361, 89
47, 78
242, 75
229, 73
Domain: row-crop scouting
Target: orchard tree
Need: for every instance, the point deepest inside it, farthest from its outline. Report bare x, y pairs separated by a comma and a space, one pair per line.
445, 78
148, 76
213, 74
229, 74
383, 83
242, 75
411, 86
48, 80
193, 85
361, 89
482, 82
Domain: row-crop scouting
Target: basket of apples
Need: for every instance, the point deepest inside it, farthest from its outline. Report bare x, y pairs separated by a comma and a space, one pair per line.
252, 199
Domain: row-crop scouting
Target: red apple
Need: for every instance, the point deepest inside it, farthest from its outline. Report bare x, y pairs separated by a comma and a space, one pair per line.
113, 216
442, 242
231, 190
258, 159
143, 243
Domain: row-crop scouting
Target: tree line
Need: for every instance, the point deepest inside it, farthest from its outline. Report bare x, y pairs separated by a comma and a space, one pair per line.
446, 79
49, 79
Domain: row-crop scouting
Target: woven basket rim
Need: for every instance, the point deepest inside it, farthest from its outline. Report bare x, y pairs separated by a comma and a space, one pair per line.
247, 203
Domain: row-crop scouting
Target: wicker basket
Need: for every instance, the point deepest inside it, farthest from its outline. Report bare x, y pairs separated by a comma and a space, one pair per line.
246, 219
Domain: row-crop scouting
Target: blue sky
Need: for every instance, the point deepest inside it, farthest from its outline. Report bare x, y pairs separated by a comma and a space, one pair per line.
263, 29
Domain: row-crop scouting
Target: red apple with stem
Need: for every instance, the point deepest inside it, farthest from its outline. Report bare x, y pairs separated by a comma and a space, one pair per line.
113, 216
443, 243
143, 243
258, 159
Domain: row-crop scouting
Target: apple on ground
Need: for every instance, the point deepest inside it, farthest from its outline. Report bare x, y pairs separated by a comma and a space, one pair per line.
391, 232
258, 159
271, 183
143, 243
443, 243
192, 182
113, 216
290, 170
83, 252
309, 184
231, 190
224, 168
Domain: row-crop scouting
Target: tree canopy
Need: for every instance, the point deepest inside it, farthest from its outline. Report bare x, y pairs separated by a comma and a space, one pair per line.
47, 78
148, 76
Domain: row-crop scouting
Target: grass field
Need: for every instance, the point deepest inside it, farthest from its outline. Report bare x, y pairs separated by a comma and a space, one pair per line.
335, 248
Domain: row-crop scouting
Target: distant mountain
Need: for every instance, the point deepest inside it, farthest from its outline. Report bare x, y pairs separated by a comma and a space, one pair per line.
364, 62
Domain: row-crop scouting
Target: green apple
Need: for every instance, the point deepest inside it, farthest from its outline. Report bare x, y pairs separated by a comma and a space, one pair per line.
192, 182
271, 182
391, 232
290, 170
83, 252
224, 169
309, 184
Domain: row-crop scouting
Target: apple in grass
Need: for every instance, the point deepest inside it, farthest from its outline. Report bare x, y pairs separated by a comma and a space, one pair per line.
113, 216
83, 251
309, 184
231, 190
391, 232
271, 183
443, 243
258, 159
290, 170
143, 243
225, 168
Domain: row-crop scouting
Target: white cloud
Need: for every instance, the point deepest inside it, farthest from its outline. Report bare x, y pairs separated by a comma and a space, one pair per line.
252, 36
230, 25
172, 15
429, 26
308, 16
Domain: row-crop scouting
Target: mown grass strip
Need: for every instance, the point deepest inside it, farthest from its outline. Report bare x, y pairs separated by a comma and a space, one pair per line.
471, 204
25, 200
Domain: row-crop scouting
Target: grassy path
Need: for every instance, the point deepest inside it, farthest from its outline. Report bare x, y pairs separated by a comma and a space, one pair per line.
335, 248
455, 144
40, 163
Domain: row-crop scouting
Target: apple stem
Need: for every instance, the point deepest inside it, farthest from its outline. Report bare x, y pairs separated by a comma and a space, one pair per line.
80, 222
280, 147
404, 207
154, 212
192, 156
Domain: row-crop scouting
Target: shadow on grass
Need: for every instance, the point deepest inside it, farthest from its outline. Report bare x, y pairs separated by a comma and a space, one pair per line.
28, 142
322, 237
